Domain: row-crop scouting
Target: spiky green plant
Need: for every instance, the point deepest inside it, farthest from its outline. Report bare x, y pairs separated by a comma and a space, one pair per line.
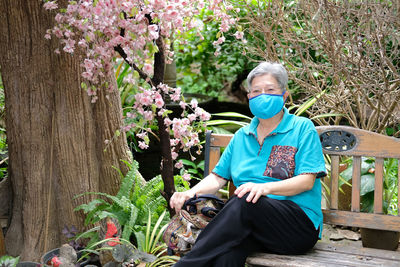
8, 261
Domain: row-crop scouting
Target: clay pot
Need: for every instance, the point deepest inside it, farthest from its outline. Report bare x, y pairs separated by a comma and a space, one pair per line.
381, 239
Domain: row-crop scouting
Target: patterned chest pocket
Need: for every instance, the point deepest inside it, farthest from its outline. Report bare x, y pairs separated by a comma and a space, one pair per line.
281, 162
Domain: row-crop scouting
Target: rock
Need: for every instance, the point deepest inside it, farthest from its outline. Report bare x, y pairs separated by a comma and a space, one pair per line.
341, 234
68, 253
350, 235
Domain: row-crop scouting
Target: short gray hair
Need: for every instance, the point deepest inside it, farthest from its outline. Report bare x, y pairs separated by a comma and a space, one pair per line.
275, 69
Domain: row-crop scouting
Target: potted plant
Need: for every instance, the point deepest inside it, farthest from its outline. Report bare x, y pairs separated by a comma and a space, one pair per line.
63, 255
370, 237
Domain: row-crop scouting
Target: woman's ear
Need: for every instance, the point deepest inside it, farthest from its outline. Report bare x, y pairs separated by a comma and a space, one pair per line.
286, 95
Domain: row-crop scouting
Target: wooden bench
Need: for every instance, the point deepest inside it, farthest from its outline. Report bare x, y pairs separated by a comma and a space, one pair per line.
337, 141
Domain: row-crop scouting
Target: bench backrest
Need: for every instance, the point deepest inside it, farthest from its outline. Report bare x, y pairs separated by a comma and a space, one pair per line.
340, 141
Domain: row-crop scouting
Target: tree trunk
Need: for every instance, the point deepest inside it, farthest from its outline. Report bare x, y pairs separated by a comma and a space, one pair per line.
55, 134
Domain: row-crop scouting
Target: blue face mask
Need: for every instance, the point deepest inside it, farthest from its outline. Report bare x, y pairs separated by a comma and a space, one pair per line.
265, 106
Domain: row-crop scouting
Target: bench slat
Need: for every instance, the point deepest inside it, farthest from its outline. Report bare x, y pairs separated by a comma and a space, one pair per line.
334, 182
378, 193
221, 140
328, 255
215, 154
356, 184
361, 219
346, 249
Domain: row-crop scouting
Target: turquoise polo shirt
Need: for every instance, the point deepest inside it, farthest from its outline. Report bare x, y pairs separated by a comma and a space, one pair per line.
293, 148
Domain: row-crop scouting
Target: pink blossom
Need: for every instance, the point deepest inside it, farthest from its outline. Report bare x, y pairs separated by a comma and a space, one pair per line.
69, 46
141, 135
174, 155
238, 35
167, 121
219, 41
148, 68
179, 165
174, 142
192, 117
182, 104
47, 36
148, 115
142, 145
153, 31
194, 103
202, 114
88, 64
186, 176
50, 5
82, 43
87, 75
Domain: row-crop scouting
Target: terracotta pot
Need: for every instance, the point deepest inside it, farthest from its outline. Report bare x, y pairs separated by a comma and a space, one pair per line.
381, 239
45, 260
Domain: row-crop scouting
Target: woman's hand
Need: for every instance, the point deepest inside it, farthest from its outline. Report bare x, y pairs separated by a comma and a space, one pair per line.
255, 191
178, 199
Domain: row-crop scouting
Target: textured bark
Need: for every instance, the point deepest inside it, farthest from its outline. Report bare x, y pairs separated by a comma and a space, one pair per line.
55, 134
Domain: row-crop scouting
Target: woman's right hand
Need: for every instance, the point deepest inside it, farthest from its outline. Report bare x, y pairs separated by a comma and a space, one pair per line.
178, 199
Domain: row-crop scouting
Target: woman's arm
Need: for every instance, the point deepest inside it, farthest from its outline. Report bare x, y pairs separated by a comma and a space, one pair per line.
209, 185
288, 187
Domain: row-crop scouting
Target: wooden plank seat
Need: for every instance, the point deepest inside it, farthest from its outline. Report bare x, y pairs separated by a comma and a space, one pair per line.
337, 142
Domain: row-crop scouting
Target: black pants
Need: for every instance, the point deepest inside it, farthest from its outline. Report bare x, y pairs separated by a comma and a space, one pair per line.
270, 225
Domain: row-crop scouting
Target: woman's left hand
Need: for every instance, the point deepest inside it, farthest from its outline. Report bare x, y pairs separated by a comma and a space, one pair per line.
255, 191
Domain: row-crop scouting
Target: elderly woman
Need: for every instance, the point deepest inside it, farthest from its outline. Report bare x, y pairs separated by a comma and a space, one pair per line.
275, 162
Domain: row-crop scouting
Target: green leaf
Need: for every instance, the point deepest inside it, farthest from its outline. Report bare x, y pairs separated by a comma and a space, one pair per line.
232, 114
91, 206
123, 253
128, 228
8, 261
327, 115
188, 163
224, 122
367, 183
141, 239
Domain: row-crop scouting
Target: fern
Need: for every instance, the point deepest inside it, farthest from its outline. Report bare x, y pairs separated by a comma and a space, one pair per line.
133, 204
128, 228
128, 182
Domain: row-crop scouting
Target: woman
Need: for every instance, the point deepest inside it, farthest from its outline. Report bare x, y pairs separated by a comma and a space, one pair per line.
275, 162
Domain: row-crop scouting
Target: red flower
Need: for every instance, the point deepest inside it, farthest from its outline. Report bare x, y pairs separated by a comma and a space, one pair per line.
112, 233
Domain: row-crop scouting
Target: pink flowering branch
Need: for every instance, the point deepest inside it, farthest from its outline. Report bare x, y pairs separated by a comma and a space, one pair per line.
139, 31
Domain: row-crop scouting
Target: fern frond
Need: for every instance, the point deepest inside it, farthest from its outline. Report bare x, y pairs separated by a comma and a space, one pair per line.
128, 181
128, 228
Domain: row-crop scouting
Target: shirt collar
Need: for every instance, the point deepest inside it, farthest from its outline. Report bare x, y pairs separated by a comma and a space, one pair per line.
285, 125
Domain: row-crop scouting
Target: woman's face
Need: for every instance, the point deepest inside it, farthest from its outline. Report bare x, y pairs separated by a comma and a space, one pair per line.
266, 84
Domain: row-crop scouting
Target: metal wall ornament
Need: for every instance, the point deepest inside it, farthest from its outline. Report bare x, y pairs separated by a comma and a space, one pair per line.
337, 141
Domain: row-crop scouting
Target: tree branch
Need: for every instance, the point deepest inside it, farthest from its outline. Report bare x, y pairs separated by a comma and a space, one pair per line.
122, 53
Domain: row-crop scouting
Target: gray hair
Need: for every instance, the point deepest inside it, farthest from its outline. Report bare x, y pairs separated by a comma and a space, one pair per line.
275, 69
